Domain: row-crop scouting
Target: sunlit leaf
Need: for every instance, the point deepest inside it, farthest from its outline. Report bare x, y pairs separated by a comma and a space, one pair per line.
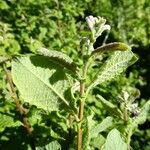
114, 65
41, 82
51, 146
114, 141
105, 124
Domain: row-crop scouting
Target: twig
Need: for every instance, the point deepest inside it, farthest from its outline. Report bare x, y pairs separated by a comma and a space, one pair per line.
19, 106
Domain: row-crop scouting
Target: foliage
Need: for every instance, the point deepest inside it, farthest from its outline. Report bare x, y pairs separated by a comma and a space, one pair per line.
48, 82
129, 25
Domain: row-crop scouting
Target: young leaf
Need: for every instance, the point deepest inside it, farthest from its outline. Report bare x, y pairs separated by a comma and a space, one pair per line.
51, 146
145, 112
41, 82
59, 57
112, 109
105, 124
114, 141
116, 46
86, 134
114, 65
98, 142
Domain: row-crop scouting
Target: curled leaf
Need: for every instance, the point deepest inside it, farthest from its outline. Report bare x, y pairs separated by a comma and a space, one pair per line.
116, 46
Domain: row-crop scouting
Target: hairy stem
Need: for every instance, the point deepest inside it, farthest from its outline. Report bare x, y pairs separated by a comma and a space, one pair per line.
19, 106
129, 138
81, 107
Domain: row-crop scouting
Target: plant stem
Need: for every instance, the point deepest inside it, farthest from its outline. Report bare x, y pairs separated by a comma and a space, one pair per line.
81, 107
129, 139
19, 106
125, 114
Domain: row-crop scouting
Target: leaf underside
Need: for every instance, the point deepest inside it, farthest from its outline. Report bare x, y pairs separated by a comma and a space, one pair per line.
105, 124
40, 81
114, 141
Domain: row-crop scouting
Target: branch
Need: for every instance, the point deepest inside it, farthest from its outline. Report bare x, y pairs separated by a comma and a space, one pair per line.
19, 106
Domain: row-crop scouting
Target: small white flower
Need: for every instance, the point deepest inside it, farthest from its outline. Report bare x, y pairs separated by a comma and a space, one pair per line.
106, 27
91, 21
97, 25
102, 26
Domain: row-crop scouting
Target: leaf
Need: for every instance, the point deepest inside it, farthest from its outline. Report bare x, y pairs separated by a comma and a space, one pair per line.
112, 109
7, 120
51, 146
41, 82
114, 65
98, 141
114, 141
105, 124
89, 122
145, 112
59, 57
116, 46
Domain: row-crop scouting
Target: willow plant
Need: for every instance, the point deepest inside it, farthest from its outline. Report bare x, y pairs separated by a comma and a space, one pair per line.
53, 81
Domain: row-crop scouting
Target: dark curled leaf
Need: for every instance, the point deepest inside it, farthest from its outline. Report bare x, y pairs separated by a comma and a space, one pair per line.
116, 46
61, 58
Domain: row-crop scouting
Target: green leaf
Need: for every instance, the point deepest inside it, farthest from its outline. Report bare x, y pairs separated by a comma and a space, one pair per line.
116, 46
89, 122
59, 57
145, 112
114, 65
114, 141
41, 82
112, 109
51, 146
105, 124
98, 142
7, 120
